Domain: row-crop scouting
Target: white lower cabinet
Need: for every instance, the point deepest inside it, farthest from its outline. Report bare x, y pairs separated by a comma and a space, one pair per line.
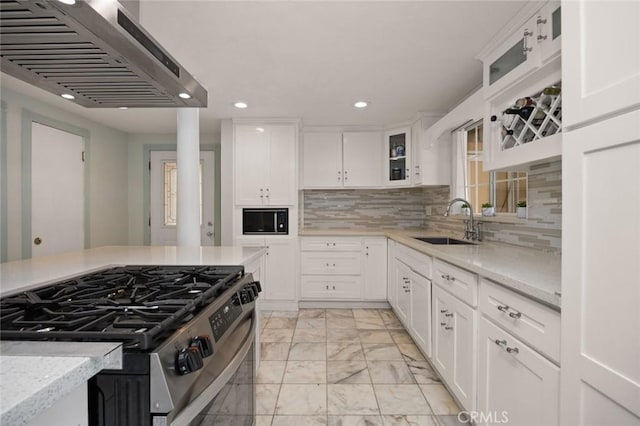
455, 345
421, 311
278, 276
516, 384
403, 293
344, 268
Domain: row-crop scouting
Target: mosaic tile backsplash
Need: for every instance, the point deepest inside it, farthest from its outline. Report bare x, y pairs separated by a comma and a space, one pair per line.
407, 208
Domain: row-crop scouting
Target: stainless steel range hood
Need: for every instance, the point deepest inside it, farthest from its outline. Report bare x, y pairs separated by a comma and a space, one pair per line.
94, 51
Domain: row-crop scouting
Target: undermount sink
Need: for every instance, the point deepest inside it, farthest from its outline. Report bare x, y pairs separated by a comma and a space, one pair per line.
443, 241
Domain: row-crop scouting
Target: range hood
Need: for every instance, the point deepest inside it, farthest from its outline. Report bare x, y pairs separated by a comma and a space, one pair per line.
94, 51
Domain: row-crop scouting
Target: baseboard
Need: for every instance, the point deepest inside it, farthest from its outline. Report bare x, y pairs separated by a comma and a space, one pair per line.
278, 305
332, 304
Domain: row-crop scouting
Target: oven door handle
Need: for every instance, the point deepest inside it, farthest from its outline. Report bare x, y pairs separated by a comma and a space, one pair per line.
196, 406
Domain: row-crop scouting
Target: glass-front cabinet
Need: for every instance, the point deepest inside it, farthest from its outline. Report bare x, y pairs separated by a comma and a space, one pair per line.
398, 156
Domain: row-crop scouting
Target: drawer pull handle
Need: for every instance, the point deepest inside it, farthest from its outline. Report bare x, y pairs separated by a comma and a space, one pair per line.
452, 278
515, 315
407, 290
513, 350
443, 324
327, 287
503, 308
500, 342
334, 265
448, 315
442, 311
448, 328
334, 287
445, 277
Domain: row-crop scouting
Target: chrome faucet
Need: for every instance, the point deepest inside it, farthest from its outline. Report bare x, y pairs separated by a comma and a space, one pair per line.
471, 227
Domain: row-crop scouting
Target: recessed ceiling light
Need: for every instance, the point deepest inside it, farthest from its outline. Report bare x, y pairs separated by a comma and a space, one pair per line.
361, 104
123, 108
259, 129
241, 105
67, 1
184, 95
67, 96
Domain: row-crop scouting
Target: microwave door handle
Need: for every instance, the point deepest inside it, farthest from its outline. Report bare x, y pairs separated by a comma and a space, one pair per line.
195, 407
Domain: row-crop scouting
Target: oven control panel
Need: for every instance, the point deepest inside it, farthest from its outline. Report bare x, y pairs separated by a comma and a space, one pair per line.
222, 319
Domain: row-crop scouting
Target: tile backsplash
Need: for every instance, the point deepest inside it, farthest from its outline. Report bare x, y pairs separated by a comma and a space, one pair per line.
363, 208
420, 207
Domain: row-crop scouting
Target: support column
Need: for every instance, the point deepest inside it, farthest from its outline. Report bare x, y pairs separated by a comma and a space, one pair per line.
188, 164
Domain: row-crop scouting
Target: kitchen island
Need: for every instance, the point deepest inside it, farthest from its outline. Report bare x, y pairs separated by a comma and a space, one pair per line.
34, 376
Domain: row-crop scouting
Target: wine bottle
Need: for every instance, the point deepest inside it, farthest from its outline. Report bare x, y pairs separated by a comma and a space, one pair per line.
523, 102
525, 112
552, 90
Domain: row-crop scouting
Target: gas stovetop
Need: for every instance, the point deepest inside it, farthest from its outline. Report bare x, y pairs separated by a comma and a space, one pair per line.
138, 305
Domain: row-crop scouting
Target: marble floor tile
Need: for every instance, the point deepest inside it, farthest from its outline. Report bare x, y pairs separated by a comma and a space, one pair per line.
305, 372
302, 351
343, 335
310, 335
311, 323
311, 314
351, 399
381, 352
266, 397
387, 314
400, 336
271, 371
400, 420
390, 372
344, 322
393, 324
366, 313
300, 420
423, 372
401, 400
440, 400
355, 421
375, 336
277, 322
452, 421
265, 314
276, 335
344, 352
274, 351
264, 420
339, 313
297, 399
284, 314
410, 352
369, 323
344, 372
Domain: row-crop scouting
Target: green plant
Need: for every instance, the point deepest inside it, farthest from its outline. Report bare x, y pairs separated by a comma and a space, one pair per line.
522, 204
487, 205
465, 206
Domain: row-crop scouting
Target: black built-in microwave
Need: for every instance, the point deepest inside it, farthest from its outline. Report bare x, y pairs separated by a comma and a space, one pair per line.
265, 221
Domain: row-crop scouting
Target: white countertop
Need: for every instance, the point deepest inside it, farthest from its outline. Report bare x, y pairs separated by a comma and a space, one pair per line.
34, 375
21, 275
534, 273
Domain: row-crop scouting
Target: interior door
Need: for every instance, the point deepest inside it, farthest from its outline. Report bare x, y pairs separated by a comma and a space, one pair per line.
163, 201
57, 191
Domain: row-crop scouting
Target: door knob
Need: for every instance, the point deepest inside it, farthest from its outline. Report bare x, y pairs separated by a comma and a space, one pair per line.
37, 241
209, 234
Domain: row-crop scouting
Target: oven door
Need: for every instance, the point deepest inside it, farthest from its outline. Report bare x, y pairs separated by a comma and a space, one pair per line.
230, 399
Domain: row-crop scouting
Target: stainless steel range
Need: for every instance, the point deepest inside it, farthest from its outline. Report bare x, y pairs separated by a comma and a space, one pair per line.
188, 335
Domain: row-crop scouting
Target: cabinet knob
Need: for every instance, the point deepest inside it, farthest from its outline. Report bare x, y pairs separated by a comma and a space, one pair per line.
502, 308
515, 315
442, 311
327, 287
448, 315
448, 328
500, 342
334, 287
513, 350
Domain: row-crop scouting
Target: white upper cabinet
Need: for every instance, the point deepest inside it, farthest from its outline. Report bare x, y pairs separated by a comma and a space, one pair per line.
398, 163
265, 164
337, 160
601, 58
322, 160
549, 31
362, 157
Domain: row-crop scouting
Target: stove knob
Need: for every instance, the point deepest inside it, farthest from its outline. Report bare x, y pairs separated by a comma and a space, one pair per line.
236, 299
188, 360
203, 344
247, 295
257, 286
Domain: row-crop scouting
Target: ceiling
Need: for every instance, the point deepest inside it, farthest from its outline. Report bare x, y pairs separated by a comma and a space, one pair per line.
313, 59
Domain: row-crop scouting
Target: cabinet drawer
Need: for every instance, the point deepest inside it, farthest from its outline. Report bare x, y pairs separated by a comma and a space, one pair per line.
459, 282
323, 263
331, 287
420, 263
528, 320
331, 244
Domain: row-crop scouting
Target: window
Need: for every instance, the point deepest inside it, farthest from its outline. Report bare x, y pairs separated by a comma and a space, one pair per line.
504, 190
171, 190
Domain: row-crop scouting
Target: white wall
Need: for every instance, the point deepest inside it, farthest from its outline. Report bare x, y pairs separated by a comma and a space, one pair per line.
107, 166
136, 184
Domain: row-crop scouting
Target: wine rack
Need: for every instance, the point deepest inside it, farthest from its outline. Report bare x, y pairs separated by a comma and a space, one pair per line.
541, 118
